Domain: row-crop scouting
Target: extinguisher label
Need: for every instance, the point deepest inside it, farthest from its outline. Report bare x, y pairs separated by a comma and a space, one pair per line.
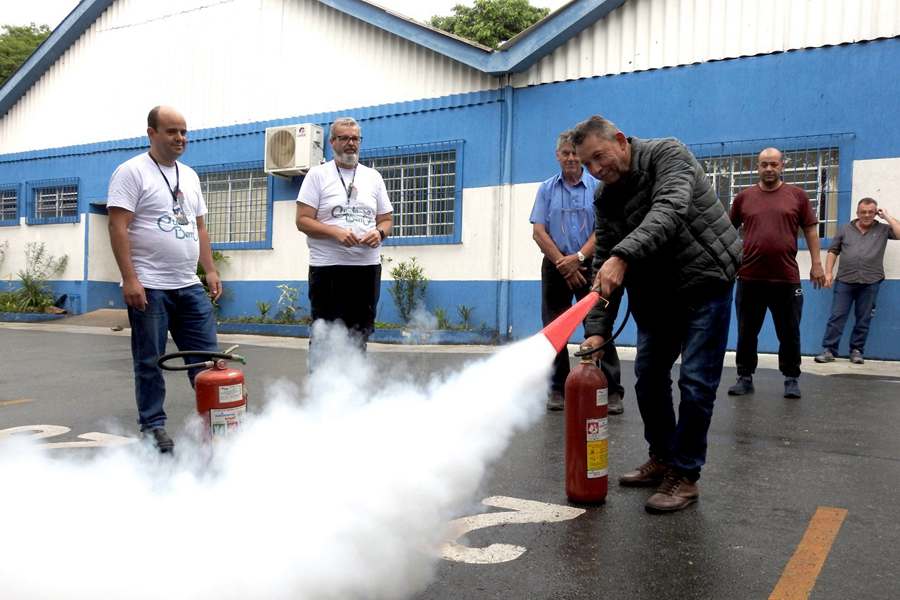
231, 393
226, 421
597, 447
602, 396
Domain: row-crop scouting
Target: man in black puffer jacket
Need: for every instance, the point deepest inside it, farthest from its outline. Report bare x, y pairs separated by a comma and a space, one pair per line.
663, 235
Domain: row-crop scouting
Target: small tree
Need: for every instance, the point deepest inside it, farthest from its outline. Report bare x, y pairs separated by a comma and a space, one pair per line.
289, 303
408, 288
16, 45
490, 22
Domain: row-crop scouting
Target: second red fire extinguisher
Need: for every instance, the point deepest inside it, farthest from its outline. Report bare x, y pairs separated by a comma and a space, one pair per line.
587, 442
221, 390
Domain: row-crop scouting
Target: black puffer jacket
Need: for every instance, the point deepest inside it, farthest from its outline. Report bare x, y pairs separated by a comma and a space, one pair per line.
664, 219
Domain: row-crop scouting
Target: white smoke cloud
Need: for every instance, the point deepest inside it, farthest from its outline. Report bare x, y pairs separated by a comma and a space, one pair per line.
340, 490
422, 327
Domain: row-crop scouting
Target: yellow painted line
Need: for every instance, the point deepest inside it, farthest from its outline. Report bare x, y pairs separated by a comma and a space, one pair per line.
800, 574
12, 402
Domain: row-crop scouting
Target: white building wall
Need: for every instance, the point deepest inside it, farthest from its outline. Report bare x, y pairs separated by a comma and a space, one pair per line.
63, 239
476, 259
651, 34
222, 63
879, 179
473, 260
102, 264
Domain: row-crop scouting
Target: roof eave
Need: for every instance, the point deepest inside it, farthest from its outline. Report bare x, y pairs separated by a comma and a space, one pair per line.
514, 56
71, 28
545, 36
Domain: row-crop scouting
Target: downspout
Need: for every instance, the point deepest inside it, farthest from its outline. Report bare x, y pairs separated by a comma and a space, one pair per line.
504, 225
85, 274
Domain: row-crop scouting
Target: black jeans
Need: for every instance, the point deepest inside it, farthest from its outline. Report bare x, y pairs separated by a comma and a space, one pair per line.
556, 298
346, 293
785, 302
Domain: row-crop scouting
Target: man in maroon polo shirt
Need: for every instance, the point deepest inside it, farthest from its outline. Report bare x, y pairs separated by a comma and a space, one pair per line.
769, 215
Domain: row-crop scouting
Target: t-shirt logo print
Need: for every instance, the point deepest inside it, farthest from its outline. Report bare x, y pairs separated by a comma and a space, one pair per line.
179, 225
354, 214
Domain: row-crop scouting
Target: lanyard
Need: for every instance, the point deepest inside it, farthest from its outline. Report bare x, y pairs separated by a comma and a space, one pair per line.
168, 185
349, 190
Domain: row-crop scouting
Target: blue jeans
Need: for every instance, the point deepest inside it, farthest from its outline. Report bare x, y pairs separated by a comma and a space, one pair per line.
188, 314
862, 296
697, 329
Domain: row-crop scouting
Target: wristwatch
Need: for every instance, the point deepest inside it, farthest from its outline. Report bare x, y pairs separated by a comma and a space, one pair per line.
580, 256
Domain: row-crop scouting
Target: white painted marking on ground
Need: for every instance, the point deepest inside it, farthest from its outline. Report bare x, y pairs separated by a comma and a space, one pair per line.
520, 511
94, 439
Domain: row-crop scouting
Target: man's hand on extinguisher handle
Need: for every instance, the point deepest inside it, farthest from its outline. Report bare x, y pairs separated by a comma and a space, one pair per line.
610, 276
594, 341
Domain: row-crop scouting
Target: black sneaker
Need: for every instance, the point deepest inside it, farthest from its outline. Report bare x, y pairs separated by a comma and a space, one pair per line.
614, 404
161, 440
556, 401
826, 357
791, 388
744, 385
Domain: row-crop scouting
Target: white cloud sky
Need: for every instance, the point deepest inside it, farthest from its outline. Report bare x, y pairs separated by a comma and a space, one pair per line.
51, 12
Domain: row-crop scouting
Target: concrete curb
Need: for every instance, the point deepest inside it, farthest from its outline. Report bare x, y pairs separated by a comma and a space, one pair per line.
871, 368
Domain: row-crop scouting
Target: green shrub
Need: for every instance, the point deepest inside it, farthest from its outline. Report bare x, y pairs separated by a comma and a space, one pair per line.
408, 288
34, 295
442, 321
289, 304
465, 316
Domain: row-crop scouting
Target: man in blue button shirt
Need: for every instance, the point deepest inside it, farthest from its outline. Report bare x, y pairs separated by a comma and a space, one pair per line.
563, 228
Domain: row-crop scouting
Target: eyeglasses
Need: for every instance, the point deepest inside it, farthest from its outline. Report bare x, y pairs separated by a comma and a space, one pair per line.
348, 138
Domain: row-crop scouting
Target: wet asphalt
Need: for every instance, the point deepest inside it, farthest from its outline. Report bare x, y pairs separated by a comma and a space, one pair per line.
772, 463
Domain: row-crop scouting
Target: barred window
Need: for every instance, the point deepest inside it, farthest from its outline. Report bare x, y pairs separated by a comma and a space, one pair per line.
815, 170
422, 186
237, 203
9, 200
54, 203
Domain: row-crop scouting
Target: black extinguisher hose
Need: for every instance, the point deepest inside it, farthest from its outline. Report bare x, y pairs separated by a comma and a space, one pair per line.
588, 351
210, 356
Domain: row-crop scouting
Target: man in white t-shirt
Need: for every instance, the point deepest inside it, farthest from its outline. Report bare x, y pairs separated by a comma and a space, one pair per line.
344, 210
158, 233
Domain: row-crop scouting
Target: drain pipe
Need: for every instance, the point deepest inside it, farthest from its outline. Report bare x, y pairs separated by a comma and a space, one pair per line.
504, 214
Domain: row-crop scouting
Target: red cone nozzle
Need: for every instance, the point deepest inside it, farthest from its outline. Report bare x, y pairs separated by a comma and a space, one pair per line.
562, 328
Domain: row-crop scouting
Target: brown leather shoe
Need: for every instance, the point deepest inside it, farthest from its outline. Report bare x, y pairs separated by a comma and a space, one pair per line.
674, 493
649, 474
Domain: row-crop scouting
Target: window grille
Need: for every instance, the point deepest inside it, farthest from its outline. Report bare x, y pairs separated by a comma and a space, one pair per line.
422, 187
54, 203
237, 205
9, 200
815, 170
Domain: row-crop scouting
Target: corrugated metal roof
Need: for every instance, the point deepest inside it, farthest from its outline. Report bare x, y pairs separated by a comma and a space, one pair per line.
651, 34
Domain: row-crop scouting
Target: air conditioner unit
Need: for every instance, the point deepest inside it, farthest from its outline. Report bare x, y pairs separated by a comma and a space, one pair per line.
293, 149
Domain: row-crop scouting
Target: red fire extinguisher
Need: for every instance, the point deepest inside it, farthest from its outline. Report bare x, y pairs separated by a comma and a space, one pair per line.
220, 389
587, 443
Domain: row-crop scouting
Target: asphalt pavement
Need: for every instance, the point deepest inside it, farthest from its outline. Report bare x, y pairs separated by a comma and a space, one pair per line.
798, 497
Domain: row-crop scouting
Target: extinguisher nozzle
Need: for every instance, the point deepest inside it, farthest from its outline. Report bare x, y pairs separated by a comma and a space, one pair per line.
561, 329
